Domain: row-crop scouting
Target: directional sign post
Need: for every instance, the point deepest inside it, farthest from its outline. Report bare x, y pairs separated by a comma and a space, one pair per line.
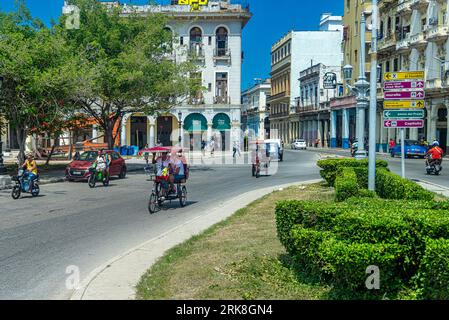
404, 114
404, 90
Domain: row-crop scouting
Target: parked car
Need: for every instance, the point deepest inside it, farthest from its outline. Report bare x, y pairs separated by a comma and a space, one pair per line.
413, 148
78, 169
299, 144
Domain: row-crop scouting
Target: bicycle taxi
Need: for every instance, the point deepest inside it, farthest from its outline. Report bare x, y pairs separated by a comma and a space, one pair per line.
260, 157
160, 172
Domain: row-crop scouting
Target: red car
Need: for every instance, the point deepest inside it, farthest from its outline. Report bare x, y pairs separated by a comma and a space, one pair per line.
79, 169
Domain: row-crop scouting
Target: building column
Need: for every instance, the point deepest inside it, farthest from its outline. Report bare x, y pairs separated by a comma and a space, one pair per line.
345, 137
209, 132
123, 139
299, 133
431, 123
320, 135
326, 131
447, 125
333, 125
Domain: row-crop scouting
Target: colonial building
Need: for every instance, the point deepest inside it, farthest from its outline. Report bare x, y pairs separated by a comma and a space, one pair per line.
414, 37
293, 53
313, 105
255, 110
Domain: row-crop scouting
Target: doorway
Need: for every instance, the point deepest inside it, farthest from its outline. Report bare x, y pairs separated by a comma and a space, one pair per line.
139, 131
164, 130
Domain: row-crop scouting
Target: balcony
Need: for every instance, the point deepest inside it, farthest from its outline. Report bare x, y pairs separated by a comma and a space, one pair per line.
196, 52
433, 84
404, 44
437, 33
418, 40
195, 101
387, 43
404, 8
419, 4
222, 100
222, 54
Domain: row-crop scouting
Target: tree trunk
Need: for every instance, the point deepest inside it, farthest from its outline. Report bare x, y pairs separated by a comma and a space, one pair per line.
51, 153
70, 145
21, 140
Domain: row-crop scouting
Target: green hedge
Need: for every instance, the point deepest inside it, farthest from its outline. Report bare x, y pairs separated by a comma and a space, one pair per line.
392, 186
340, 240
346, 184
331, 167
433, 274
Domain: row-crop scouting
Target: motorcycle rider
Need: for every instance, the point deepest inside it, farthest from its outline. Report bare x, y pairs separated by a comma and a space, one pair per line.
100, 163
435, 154
30, 167
354, 147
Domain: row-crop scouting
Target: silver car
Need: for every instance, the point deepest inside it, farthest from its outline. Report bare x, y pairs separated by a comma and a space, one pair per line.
299, 144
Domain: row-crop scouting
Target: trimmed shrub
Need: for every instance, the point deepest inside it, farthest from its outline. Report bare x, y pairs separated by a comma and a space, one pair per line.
346, 185
331, 167
433, 274
392, 186
347, 263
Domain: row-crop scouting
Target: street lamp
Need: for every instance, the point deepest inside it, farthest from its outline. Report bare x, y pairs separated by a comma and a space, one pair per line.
2, 166
180, 126
361, 90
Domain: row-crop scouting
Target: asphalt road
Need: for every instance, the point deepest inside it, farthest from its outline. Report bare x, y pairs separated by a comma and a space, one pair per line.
72, 225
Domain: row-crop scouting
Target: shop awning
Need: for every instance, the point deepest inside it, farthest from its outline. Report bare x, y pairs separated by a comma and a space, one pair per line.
221, 122
195, 122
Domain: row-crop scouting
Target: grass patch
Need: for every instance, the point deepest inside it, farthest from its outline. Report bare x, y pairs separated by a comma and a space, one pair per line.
239, 258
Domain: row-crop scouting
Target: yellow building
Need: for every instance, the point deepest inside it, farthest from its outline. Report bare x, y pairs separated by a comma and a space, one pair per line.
353, 10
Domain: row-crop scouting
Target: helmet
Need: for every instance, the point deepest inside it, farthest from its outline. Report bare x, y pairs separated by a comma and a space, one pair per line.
435, 144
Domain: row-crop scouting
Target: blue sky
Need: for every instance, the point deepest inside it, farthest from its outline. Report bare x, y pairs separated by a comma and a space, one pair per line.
271, 20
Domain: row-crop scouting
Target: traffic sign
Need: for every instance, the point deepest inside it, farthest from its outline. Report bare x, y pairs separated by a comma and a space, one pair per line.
404, 104
393, 76
397, 85
404, 123
404, 114
401, 95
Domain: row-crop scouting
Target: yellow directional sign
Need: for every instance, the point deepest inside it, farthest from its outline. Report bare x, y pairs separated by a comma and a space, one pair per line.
404, 104
393, 76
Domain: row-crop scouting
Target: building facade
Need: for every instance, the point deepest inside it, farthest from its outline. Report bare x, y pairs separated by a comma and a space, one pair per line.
414, 37
289, 56
255, 111
313, 105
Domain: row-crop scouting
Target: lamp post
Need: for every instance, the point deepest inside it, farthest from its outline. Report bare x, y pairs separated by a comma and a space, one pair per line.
180, 127
361, 89
2, 166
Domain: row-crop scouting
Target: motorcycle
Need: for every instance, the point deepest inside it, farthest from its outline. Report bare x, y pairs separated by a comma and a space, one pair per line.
434, 167
97, 175
23, 185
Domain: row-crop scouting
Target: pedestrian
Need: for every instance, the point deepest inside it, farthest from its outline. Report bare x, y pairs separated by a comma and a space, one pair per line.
212, 147
391, 144
203, 147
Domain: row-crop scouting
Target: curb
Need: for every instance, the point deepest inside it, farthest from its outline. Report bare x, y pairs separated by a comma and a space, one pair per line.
107, 282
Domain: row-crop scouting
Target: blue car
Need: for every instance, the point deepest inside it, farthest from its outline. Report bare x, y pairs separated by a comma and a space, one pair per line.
412, 149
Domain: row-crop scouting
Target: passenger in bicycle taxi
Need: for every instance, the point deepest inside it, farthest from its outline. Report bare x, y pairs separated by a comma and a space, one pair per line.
178, 169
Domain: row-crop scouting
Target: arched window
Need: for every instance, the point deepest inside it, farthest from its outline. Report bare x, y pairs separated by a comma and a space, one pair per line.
196, 40
222, 41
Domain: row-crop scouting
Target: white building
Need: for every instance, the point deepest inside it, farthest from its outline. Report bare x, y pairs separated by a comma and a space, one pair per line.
329, 22
212, 38
292, 54
255, 111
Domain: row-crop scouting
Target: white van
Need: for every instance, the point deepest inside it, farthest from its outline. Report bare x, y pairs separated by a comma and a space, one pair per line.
275, 148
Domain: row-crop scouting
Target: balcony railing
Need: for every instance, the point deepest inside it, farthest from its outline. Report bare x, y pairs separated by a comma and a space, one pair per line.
404, 7
419, 3
437, 33
222, 53
196, 100
196, 51
418, 39
222, 100
404, 44
388, 42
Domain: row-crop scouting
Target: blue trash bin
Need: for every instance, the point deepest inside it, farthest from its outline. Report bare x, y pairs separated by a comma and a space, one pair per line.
124, 150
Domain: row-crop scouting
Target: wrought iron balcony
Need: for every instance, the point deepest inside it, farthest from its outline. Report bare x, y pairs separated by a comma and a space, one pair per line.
222, 100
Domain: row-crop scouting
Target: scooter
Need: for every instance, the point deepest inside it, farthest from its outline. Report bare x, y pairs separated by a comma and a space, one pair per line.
97, 175
23, 185
435, 167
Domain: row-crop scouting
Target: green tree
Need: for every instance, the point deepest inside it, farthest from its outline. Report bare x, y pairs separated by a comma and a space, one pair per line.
123, 66
35, 63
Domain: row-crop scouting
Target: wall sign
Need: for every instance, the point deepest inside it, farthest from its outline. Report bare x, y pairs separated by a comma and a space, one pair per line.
330, 80
195, 5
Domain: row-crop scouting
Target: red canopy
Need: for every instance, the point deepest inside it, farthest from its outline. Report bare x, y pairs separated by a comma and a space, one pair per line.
155, 150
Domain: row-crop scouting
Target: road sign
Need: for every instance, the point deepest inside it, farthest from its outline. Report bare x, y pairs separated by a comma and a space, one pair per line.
397, 85
404, 104
401, 95
393, 76
404, 114
330, 80
404, 123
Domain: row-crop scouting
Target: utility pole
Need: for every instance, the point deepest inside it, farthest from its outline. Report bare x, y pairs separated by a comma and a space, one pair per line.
373, 101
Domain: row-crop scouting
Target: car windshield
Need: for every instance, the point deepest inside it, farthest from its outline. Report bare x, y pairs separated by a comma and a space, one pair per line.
412, 142
88, 156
